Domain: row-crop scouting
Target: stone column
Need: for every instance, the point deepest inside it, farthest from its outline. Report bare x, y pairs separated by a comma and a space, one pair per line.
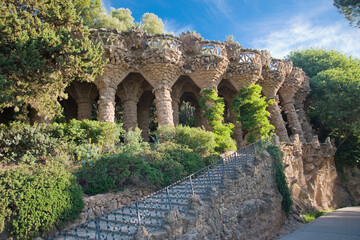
144, 119
84, 109
277, 120
176, 110
130, 113
292, 118
237, 134
106, 104
163, 103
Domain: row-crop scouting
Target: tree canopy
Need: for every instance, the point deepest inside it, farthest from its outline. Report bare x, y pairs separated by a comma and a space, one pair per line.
43, 47
351, 10
121, 19
335, 102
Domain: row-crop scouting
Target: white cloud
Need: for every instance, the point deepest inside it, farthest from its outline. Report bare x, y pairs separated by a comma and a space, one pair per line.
221, 6
171, 26
106, 4
302, 32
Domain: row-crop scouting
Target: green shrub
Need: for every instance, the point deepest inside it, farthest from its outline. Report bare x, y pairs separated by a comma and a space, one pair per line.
311, 216
212, 158
134, 143
112, 171
175, 161
81, 131
215, 116
23, 143
282, 186
197, 139
35, 199
250, 108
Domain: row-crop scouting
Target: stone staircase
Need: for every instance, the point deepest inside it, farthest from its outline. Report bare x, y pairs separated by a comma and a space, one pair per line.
150, 211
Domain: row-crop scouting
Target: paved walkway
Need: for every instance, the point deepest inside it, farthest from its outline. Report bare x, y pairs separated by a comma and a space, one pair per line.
341, 224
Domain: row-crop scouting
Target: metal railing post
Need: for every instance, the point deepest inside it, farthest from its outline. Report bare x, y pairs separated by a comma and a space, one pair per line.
208, 173
192, 188
138, 213
168, 197
97, 227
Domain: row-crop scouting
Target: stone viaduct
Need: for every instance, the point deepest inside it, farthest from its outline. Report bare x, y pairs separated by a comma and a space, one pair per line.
169, 70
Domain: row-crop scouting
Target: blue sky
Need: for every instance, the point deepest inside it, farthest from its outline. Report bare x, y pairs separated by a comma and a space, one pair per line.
279, 26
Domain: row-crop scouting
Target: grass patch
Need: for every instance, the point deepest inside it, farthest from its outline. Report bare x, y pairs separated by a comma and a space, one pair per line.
311, 216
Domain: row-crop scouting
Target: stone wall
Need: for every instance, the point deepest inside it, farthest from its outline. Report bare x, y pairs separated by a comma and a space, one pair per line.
247, 206
312, 176
103, 203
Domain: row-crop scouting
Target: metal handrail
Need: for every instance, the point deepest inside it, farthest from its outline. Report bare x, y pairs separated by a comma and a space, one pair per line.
151, 210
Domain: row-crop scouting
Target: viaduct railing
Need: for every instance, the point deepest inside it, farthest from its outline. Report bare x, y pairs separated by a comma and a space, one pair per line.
151, 210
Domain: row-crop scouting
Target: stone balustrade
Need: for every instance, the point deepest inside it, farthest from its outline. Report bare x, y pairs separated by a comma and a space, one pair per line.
107, 38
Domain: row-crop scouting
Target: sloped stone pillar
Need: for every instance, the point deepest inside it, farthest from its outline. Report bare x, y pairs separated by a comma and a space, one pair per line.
292, 117
299, 100
273, 78
287, 92
106, 104
277, 120
130, 113
163, 103
84, 109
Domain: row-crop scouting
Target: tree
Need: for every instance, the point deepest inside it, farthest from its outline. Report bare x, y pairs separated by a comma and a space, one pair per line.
351, 10
124, 16
250, 108
89, 10
152, 23
335, 102
43, 47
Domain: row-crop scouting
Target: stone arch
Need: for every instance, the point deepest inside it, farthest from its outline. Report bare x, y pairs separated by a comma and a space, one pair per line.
143, 111
83, 94
185, 85
70, 108
227, 90
129, 91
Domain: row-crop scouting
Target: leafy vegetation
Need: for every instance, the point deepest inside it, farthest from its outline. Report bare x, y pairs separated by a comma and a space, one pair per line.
311, 216
214, 113
121, 19
280, 177
335, 103
350, 9
250, 108
36, 199
112, 171
44, 46
77, 140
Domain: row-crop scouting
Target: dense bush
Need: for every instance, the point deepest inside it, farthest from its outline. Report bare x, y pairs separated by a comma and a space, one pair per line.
250, 107
78, 140
23, 143
175, 161
277, 156
197, 139
80, 132
35, 199
112, 171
